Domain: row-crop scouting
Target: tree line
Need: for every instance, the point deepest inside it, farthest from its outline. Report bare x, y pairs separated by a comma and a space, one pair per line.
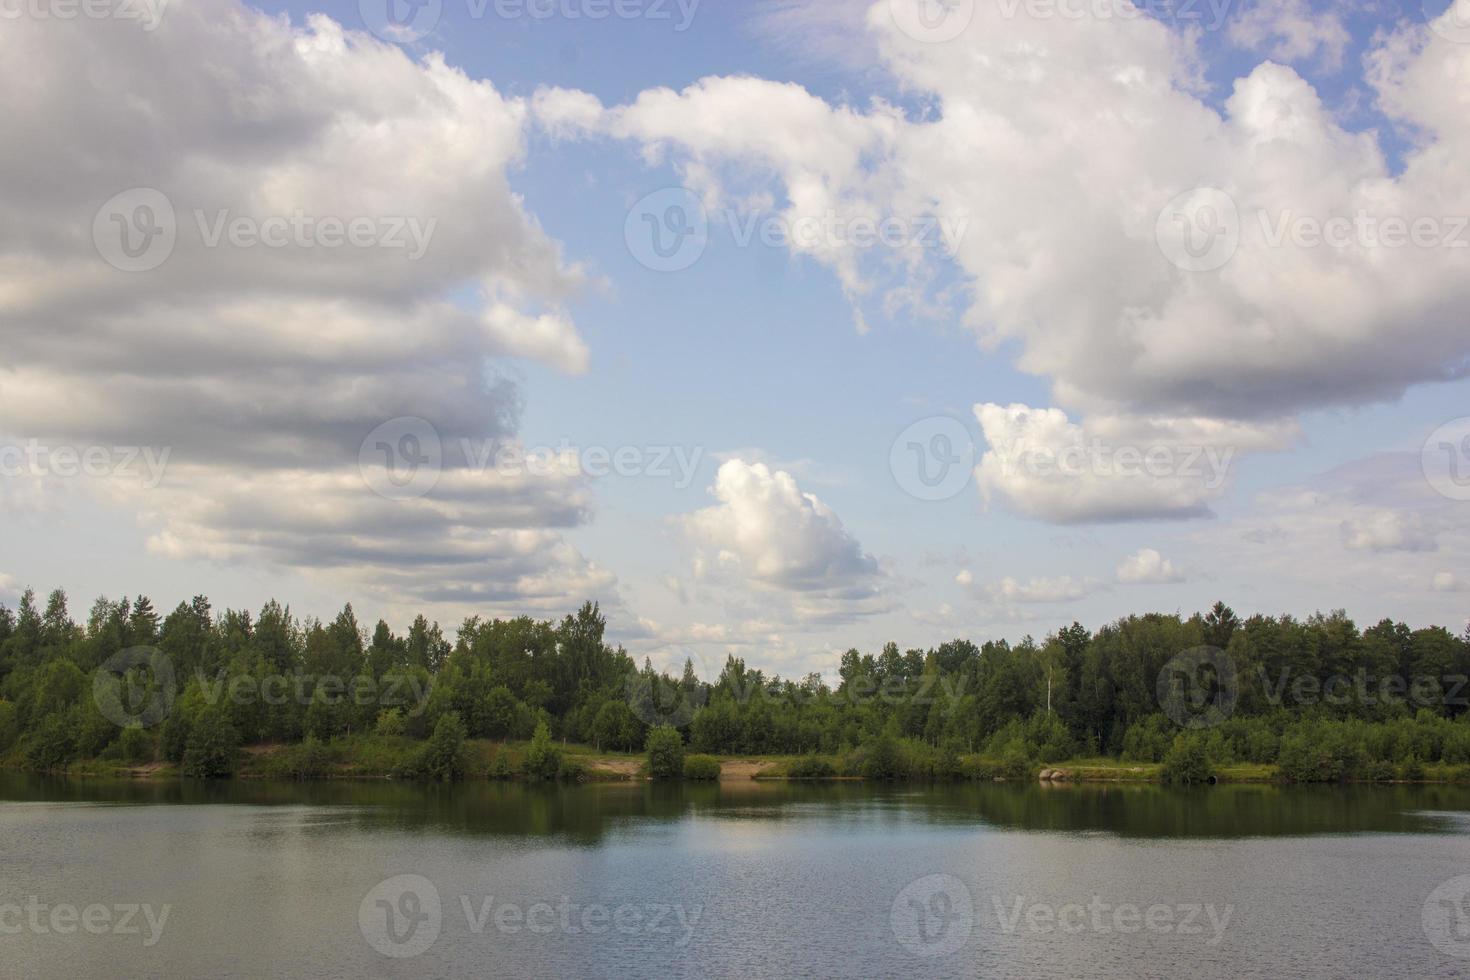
1318, 697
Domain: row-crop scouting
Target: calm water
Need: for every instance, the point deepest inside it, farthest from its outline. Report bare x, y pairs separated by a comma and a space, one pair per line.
737, 880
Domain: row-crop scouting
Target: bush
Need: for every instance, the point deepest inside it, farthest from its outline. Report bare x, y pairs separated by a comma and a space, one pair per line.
882, 761
543, 759
811, 767
135, 745
1015, 764
665, 752
701, 767
443, 757
9, 725
212, 746
53, 746
390, 723
572, 770
309, 760
1187, 761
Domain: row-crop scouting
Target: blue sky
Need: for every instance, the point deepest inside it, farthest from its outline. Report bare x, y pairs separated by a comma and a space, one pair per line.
752, 358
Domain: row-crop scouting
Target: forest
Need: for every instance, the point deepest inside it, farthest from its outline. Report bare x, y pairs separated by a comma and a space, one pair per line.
1318, 699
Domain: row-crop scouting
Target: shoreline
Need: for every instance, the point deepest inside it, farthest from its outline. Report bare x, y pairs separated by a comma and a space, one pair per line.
269, 762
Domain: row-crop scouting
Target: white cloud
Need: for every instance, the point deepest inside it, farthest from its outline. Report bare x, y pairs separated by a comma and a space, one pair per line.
769, 550
1066, 588
1148, 567
770, 532
1387, 530
1069, 270
1291, 31
262, 369
1113, 469
1449, 582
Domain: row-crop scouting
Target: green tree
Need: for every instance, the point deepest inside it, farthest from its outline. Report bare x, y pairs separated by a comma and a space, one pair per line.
443, 758
665, 752
213, 745
543, 759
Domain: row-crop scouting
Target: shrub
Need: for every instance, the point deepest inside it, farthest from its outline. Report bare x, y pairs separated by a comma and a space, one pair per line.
53, 746
665, 752
543, 759
443, 757
135, 745
1015, 764
1187, 761
572, 770
390, 723
882, 761
701, 767
811, 767
309, 760
212, 746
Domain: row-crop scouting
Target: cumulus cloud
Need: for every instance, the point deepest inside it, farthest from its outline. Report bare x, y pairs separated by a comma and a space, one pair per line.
1040, 590
1292, 31
1449, 582
1084, 266
767, 534
1041, 464
1148, 567
253, 242
1387, 530
1373, 532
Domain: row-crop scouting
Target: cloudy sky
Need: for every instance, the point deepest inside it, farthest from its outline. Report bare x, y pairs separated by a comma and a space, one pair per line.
777, 328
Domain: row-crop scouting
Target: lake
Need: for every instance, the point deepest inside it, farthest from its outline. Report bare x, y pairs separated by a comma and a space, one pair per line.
248, 879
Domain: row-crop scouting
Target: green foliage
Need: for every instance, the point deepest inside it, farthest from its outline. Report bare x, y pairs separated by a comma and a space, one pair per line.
1187, 761
135, 745
665, 750
309, 760
390, 723
9, 724
701, 767
213, 746
53, 746
1315, 696
811, 767
443, 758
543, 758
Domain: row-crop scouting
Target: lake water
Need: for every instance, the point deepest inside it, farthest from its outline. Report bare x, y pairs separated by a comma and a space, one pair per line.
101, 879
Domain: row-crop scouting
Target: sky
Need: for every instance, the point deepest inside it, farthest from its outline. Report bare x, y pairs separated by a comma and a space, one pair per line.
776, 328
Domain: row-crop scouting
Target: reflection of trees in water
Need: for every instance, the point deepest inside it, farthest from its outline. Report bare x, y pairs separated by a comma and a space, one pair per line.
585, 814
